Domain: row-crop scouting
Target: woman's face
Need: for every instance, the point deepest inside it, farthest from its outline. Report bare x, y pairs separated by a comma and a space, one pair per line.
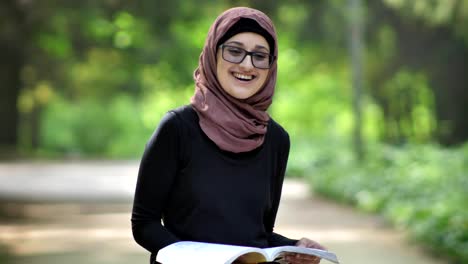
242, 80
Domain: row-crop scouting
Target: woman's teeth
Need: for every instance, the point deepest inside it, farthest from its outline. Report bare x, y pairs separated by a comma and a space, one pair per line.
243, 76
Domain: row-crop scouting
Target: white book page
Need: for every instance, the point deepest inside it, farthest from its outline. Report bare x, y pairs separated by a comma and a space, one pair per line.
275, 251
202, 253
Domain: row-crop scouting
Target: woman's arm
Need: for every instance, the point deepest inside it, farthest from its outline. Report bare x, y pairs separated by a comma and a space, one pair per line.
275, 239
158, 169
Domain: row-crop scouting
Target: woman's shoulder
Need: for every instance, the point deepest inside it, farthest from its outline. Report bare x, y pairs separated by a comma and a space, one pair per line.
182, 119
278, 137
179, 115
277, 130
177, 118
185, 111
176, 123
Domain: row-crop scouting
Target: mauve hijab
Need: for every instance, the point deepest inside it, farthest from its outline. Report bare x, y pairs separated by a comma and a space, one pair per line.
234, 125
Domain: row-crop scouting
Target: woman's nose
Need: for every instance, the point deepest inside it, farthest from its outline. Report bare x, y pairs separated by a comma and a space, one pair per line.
247, 62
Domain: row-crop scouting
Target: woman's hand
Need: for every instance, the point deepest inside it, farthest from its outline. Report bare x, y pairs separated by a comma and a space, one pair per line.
308, 243
295, 258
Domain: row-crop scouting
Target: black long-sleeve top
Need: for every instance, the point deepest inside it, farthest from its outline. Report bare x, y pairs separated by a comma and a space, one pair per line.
202, 193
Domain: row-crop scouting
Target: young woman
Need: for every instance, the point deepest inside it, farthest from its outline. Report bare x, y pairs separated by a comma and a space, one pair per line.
213, 170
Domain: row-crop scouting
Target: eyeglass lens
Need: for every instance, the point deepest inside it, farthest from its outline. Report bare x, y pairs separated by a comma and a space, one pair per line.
234, 54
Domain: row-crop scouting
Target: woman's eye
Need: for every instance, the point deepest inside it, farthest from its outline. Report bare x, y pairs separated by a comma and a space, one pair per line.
234, 51
260, 56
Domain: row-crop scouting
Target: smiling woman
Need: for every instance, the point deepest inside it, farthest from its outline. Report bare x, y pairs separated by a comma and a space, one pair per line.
213, 171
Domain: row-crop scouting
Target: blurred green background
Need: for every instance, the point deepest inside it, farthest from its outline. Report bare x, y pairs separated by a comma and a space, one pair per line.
374, 96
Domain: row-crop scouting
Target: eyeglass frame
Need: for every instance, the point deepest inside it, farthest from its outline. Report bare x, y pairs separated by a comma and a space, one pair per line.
271, 57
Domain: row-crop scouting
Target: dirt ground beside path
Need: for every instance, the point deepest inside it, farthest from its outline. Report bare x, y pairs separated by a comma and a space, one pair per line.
97, 229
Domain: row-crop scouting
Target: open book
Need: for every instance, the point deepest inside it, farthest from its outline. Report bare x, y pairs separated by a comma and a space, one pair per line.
208, 253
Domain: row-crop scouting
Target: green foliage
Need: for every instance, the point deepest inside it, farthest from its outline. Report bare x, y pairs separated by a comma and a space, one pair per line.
420, 188
436, 12
104, 73
99, 74
123, 49
409, 109
56, 42
115, 128
94, 128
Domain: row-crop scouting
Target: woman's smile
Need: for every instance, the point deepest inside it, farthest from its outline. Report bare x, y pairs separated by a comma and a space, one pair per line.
243, 77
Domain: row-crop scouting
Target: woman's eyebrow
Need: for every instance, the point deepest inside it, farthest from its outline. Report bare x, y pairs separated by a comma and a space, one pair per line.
242, 45
261, 47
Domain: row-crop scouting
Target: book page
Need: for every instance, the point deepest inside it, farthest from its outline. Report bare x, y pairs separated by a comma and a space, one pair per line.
276, 251
205, 253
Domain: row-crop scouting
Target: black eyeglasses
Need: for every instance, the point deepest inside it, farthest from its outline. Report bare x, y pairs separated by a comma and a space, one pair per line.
261, 60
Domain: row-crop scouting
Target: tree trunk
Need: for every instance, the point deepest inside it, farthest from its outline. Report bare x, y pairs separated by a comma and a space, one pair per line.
355, 46
10, 66
11, 62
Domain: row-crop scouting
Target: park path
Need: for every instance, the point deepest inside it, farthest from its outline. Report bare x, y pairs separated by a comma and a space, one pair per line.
78, 212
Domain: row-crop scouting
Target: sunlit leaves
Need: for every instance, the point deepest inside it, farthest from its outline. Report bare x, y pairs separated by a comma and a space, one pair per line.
34, 97
292, 16
123, 29
387, 43
310, 101
26, 102
56, 41
43, 92
434, 11
99, 27
125, 25
193, 33
100, 74
57, 45
411, 107
122, 39
94, 128
453, 13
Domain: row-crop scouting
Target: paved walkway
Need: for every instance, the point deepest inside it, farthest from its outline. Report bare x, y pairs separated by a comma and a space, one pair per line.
79, 213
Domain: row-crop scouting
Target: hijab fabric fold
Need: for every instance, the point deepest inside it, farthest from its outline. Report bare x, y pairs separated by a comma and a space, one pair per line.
234, 125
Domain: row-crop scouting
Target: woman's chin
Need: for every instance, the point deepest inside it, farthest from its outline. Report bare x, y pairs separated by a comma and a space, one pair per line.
242, 91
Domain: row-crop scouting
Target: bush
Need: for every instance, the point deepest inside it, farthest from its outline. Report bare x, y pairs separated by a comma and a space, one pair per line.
422, 189
91, 128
